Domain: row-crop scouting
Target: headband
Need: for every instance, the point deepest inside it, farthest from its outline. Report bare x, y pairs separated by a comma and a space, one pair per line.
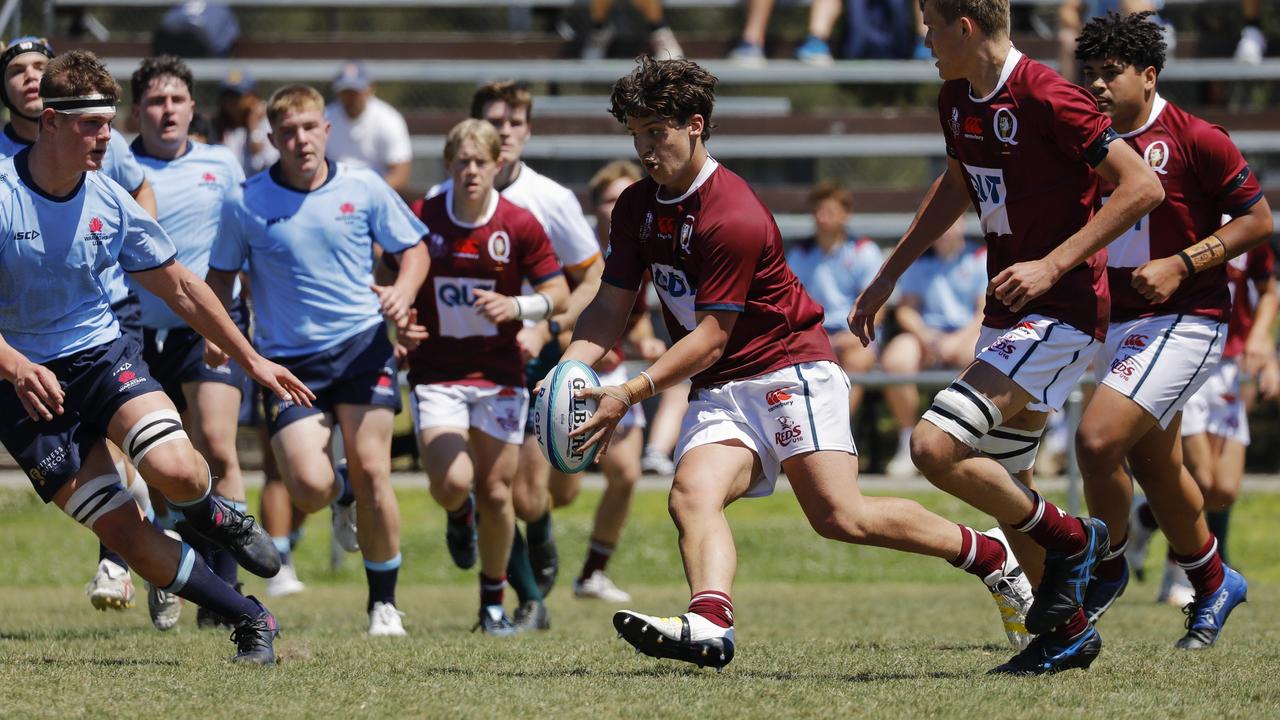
21, 46
94, 104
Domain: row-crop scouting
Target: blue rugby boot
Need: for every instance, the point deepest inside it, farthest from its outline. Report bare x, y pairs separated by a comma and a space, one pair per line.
1206, 615
1066, 578
1102, 594
1052, 653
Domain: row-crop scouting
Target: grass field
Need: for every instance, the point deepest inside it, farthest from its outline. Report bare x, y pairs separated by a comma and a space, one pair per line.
823, 629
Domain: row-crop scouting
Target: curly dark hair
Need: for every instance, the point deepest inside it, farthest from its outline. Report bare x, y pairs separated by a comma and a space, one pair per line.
669, 89
157, 67
1133, 39
78, 72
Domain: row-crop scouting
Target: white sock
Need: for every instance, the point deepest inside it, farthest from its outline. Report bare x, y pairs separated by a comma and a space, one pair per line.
904, 440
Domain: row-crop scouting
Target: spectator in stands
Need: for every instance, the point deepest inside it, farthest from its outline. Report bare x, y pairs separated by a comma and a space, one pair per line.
938, 312
816, 48
366, 131
1072, 15
662, 42
241, 123
201, 128
835, 269
1253, 44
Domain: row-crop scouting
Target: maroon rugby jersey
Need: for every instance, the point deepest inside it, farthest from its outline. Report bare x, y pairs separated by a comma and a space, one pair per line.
717, 247
1204, 177
504, 248
1027, 151
1251, 267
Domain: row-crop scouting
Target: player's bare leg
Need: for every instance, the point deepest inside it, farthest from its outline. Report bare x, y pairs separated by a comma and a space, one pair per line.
902, 356
301, 450
366, 435
621, 468
112, 586
281, 519
854, 359
535, 561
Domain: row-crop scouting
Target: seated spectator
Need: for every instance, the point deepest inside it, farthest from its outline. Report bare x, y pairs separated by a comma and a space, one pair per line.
366, 131
835, 269
662, 42
938, 311
1253, 44
241, 123
816, 48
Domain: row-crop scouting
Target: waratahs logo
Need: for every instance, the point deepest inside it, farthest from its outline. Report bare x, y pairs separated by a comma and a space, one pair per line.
209, 180
348, 211
95, 225
95, 231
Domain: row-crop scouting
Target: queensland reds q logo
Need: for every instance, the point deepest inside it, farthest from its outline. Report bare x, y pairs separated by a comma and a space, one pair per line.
1006, 126
500, 246
1157, 156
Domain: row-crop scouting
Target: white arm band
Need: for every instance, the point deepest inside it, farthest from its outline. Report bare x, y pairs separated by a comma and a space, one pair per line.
533, 307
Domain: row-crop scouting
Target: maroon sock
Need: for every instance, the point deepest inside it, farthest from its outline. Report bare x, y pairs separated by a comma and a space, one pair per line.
979, 554
491, 590
1146, 517
714, 606
598, 555
1204, 568
1053, 529
1074, 625
1112, 565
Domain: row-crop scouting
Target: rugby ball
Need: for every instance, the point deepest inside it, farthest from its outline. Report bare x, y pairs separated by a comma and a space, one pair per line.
556, 413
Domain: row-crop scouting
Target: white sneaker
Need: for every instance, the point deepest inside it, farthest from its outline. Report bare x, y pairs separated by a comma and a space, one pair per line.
1011, 590
344, 527
1139, 542
164, 607
285, 583
384, 621
111, 587
900, 465
1175, 588
688, 637
662, 43
1252, 46
600, 587
654, 462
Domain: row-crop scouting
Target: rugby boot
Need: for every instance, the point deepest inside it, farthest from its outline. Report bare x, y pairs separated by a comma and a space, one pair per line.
240, 535
532, 615
545, 560
1011, 590
1102, 594
1206, 615
689, 638
495, 621
1051, 653
254, 637
1066, 578
460, 537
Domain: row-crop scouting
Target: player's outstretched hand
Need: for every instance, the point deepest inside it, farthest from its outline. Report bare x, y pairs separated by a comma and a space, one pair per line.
395, 304
214, 356
1156, 279
411, 334
280, 381
599, 429
495, 307
862, 318
1022, 282
39, 391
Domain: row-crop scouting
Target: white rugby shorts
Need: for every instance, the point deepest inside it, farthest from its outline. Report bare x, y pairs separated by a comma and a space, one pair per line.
635, 416
1217, 407
795, 410
1160, 362
1044, 356
498, 411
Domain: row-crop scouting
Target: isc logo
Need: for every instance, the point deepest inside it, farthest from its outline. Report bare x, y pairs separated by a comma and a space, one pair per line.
26, 235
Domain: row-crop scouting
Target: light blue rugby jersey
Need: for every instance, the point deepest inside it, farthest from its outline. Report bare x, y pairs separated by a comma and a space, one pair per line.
190, 191
947, 290
310, 255
835, 280
53, 254
119, 165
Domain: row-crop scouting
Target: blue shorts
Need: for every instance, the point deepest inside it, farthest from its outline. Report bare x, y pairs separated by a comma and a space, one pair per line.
129, 314
95, 382
360, 370
176, 357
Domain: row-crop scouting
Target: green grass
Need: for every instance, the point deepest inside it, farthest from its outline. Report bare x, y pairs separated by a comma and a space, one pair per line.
823, 629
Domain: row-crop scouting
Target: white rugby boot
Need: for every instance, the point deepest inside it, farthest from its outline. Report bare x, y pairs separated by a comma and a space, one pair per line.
1011, 590
1175, 588
285, 582
110, 588
384, 621
600, 587
689, 637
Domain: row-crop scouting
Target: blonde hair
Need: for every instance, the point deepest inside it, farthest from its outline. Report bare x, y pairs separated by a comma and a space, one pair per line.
293, 98
611, 173
484, 135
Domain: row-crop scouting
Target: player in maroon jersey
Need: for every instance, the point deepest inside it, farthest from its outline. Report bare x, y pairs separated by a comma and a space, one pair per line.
767, 394
1168, 316
469, 400
1023, 144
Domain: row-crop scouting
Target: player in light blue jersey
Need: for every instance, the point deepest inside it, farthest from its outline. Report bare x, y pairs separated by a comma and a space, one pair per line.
68, 379
834, 268
938, 310
306, 228
191, 182
22, 65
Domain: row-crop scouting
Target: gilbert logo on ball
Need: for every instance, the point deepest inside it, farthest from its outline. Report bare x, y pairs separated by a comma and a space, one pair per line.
557, 413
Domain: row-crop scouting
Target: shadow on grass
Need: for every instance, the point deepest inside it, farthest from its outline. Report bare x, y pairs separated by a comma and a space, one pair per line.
673, 671
98, 662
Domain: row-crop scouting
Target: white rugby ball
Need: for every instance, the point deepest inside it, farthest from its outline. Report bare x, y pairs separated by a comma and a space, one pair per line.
556, 413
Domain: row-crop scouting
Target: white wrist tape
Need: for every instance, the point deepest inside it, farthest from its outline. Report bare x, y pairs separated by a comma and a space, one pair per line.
533, 307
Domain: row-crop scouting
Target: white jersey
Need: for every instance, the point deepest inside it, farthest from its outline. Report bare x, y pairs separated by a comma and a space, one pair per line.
377, 139
557, 210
